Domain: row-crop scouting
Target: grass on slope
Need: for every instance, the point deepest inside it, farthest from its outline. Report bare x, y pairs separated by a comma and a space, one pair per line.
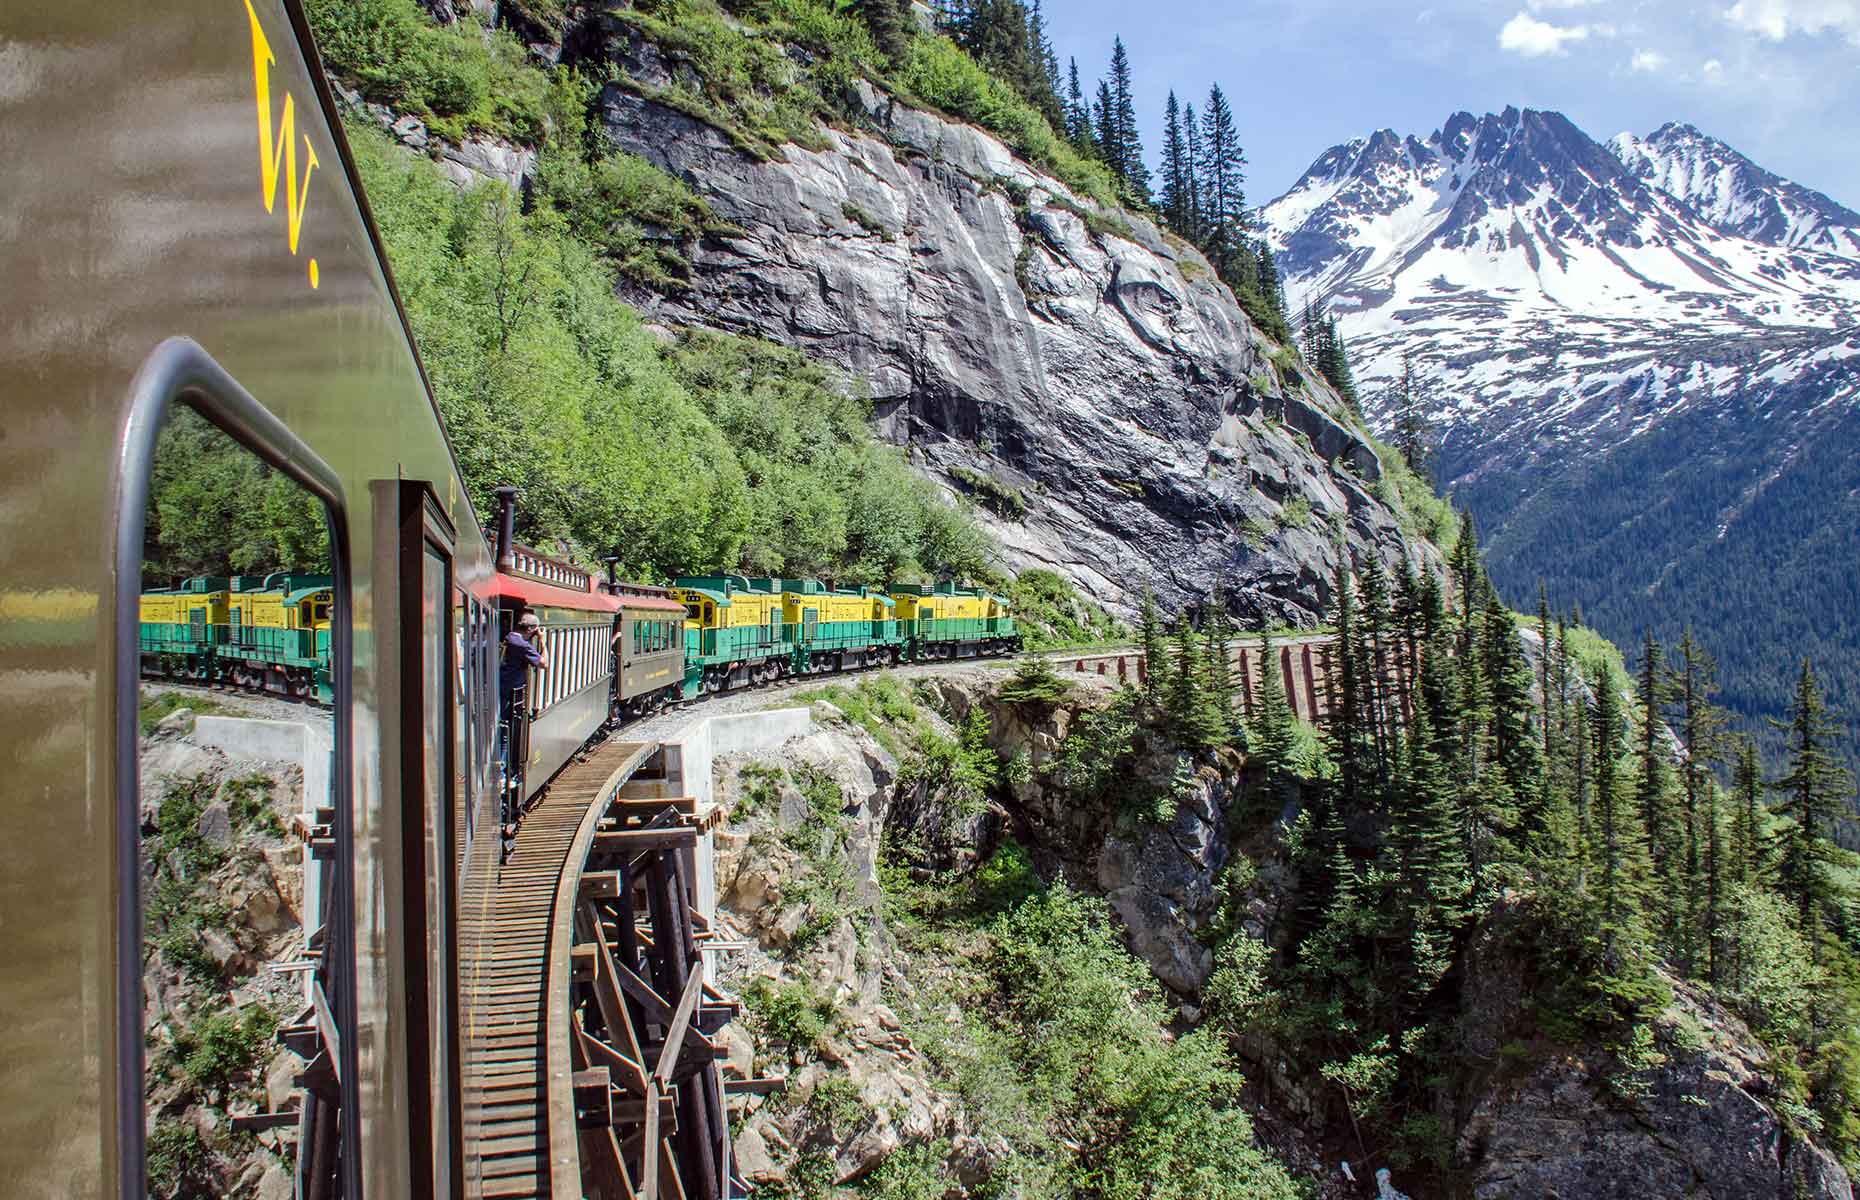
697, 453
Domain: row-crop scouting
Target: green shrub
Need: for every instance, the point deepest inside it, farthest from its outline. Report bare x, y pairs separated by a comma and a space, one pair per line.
1035, 683
936, 72
462, 78
1050, 613
226, 1048
962, 771
178, 1162
796, 1015
1002, 499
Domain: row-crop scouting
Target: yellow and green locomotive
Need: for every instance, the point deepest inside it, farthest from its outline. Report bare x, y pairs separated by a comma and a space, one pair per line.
267, 632
744, 632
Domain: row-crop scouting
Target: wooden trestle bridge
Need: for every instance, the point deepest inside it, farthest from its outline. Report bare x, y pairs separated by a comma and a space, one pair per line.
588, 1066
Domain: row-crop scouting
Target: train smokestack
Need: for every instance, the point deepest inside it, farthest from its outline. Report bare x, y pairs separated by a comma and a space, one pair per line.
506, 528
613, 574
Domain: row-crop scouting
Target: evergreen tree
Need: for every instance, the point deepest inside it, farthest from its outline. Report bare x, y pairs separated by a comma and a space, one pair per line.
1218, 664
1009, 40
1310, 335
1187, 701
891, 24
1049, 102
1413, 437
1104, 130
1333, 362
1272, 288
1711, 812
1516, 752
1131, 167
1620, 850
1191, 149
1223, 209
1691, 684
1380, 709
1812, 791
1155, 651
1749, 819
1177, 204
1653, 796
1270, 734
1346, 731
1078, 113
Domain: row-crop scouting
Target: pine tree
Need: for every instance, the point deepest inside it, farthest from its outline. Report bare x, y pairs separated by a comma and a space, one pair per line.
1309, 335
1270, 733
1711, 811
1131, 167
891, 24
1333, 362
1155, 651
1812, 792
1217, 661
1104, 130
1653, 796
1177, 206
1620, 839
1380, 710
1691, 684
1749, 820
1047, 63
1186, 700
1413, 437
1191, 148
1347, 722
1078, 113
1224, 201
1272, 288
1516, 752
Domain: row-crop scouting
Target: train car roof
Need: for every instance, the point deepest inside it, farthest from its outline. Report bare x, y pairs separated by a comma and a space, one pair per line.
549, 595
651, 603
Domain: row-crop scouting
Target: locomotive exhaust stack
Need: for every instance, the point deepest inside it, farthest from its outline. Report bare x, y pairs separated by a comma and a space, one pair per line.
506, 528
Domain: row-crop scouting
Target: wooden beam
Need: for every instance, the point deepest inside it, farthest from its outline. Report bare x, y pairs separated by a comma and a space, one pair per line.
632, 841
763, 1086
649, 1166
681, 1020
629, 1075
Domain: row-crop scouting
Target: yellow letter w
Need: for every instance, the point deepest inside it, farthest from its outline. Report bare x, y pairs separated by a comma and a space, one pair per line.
270, 153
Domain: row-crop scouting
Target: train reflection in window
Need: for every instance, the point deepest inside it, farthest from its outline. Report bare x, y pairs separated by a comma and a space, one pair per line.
236, 816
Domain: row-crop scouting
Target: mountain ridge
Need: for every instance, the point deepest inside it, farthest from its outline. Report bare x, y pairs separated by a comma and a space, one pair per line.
1657, 329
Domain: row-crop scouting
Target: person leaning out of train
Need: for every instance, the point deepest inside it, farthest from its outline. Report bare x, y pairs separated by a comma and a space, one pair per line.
523, 649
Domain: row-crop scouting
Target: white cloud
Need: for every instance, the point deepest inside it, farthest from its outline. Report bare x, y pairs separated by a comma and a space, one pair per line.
1526, 35
1713, 71
1650, 61
1777, 19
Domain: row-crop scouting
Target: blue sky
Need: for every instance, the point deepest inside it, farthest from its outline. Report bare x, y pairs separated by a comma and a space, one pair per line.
1778, 79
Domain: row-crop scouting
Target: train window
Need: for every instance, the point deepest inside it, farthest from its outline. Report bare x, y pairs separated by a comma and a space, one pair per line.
236, 962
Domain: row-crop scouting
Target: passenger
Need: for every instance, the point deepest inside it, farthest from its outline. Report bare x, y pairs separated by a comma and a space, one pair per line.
523, 649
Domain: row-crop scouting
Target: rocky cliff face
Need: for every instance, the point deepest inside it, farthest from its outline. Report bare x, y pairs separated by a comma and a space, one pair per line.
1084, 361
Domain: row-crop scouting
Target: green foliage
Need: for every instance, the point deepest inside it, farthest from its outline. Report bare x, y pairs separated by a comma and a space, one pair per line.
938, 73
1004, 500
1051, 614
709, 454
1100, 749
152, 710
1035, 683
742, 79
1240, 993
226, 1048
865, 220
913, 1172
878, 705
461, 78
795, 1015
216, 509
960, 772
179, 1164
1767, 971
1419, 510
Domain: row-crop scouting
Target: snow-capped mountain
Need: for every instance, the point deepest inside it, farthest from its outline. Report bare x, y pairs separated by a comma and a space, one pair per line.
1735, 194
1637, 351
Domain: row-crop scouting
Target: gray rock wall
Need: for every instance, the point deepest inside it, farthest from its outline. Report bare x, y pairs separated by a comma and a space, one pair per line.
1101, 373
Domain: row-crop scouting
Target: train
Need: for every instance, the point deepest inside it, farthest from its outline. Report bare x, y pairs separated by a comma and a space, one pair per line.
667, 645
187, 232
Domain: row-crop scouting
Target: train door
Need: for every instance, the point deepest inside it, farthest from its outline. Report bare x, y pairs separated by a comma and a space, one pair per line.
235, 897
429, 829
